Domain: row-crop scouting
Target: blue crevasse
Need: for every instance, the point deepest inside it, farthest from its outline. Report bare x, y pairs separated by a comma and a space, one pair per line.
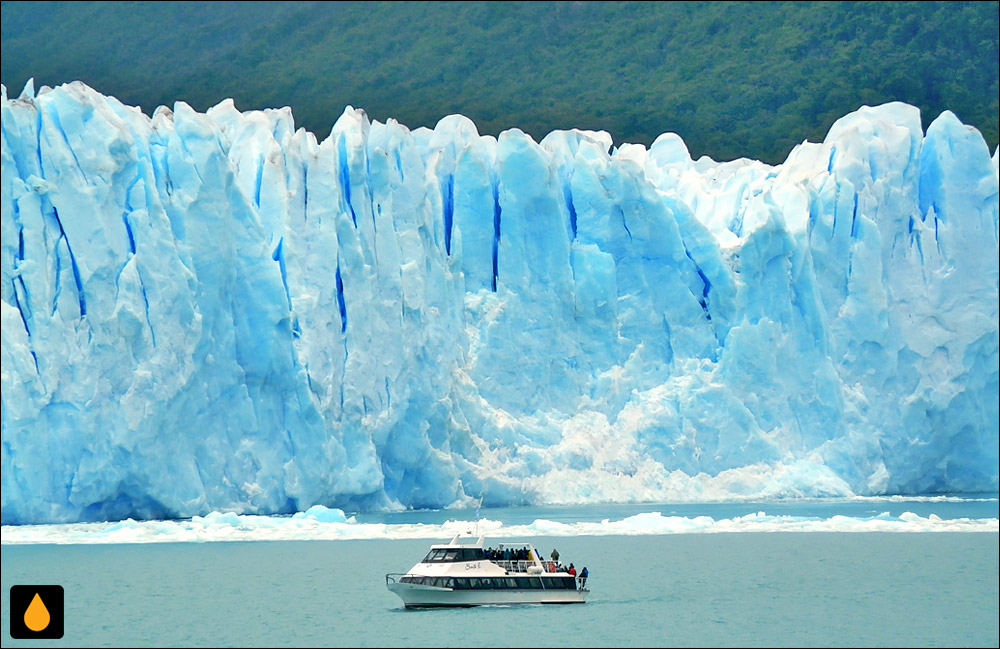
216, 311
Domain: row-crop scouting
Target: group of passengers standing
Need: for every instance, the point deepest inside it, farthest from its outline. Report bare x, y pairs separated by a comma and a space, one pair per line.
524, 554
507, 554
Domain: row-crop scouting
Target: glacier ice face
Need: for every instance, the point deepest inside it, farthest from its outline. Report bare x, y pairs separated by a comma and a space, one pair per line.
218, 312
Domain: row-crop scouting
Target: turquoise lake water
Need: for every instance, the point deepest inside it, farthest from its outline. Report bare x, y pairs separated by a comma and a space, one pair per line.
743, 588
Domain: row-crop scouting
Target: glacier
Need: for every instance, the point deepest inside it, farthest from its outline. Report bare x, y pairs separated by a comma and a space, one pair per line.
218, 312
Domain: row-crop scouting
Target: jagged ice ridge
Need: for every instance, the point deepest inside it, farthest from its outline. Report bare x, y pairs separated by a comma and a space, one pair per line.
217, 312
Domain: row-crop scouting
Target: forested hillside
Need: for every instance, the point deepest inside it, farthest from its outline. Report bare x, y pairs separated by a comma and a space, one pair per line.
734, 79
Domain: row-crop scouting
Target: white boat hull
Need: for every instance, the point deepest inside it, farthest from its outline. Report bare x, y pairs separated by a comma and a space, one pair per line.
417, 595
468, 574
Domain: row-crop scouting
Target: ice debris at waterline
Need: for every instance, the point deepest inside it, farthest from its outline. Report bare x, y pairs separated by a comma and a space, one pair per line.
217, 526
217, 312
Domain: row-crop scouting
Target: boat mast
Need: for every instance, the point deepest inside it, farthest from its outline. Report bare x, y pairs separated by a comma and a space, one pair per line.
479, 505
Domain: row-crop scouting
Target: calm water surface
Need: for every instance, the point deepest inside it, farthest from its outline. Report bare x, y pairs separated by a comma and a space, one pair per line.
769, 589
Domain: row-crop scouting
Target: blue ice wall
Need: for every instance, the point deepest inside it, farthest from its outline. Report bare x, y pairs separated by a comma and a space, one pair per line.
219, 312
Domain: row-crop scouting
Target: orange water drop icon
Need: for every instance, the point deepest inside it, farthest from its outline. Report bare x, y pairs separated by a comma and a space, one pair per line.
37, 616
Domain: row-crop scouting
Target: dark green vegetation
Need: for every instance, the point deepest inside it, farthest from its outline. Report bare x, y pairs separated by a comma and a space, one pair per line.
734, 79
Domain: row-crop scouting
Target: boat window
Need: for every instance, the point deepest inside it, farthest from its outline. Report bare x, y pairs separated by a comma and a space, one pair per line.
437, 555
438, 582
449, 583
510, 582
473, 583
472, 554
534, 582
450, 555
406, 580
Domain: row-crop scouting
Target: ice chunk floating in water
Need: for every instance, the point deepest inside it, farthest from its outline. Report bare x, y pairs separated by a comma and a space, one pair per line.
333, 524
217, 312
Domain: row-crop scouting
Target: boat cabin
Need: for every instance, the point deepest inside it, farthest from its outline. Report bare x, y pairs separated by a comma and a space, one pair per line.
467, 574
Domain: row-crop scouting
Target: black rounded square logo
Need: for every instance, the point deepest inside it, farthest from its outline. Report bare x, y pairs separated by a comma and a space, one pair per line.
36, 612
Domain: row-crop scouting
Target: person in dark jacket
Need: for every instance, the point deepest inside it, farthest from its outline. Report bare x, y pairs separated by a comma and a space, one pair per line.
583, 577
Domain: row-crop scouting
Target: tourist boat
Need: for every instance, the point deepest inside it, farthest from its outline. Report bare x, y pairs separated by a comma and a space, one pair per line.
464, 573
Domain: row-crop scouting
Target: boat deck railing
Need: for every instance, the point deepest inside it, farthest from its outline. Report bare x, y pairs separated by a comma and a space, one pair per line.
523, 566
